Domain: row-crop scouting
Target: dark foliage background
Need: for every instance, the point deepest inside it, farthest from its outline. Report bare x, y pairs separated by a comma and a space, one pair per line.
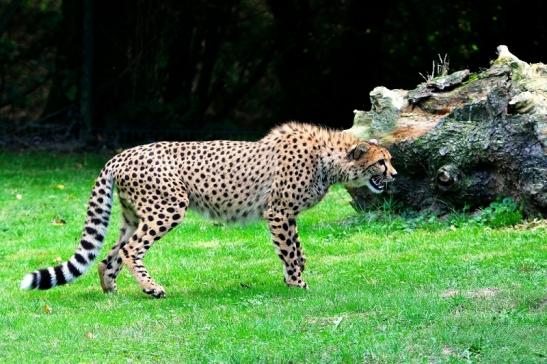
122, 71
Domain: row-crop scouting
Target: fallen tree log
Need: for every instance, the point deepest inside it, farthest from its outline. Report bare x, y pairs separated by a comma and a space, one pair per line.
464, 139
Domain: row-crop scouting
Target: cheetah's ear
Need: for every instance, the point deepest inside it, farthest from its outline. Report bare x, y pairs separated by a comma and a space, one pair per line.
358, 151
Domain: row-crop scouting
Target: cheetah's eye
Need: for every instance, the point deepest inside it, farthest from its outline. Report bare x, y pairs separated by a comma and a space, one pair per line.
382, 162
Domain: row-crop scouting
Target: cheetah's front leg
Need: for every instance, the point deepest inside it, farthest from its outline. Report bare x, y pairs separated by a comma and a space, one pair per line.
285, 238
301, 258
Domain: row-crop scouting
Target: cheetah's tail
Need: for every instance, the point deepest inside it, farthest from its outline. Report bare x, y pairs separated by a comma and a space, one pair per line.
98, 215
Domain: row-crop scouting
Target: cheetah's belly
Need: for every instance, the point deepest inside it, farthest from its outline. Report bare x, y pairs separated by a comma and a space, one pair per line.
229, 212
235, 209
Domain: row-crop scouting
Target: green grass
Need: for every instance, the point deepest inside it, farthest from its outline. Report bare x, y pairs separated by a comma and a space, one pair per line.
383, 290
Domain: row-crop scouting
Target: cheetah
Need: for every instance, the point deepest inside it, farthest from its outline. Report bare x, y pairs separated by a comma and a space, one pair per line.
274, 178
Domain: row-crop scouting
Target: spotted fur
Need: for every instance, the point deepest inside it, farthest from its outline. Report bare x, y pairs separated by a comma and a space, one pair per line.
275, 178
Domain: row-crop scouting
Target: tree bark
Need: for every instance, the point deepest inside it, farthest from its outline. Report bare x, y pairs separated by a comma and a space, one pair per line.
464, 139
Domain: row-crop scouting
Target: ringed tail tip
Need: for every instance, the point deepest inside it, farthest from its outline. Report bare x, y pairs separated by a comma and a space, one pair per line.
28, 282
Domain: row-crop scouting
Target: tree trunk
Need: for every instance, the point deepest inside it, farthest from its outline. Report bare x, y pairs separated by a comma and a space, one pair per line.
63, 93
86, 87
464, 139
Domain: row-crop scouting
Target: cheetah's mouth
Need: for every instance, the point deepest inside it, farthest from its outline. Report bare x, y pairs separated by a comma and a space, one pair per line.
376, 183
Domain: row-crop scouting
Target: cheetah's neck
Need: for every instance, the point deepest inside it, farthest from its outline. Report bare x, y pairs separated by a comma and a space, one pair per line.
334, 156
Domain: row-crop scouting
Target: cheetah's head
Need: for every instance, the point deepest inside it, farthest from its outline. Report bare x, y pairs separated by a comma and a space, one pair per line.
369, 164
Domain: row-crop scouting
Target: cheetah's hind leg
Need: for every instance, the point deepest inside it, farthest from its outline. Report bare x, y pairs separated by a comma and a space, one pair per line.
152, 226
111, 266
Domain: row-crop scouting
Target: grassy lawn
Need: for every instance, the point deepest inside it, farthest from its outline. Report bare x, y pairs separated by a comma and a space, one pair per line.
380, 291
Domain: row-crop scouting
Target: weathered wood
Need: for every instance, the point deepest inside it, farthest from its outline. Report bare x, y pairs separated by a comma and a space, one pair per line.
464, 139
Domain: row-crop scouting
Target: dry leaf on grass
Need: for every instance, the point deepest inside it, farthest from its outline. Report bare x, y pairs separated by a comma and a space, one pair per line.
47, 309
58, 221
